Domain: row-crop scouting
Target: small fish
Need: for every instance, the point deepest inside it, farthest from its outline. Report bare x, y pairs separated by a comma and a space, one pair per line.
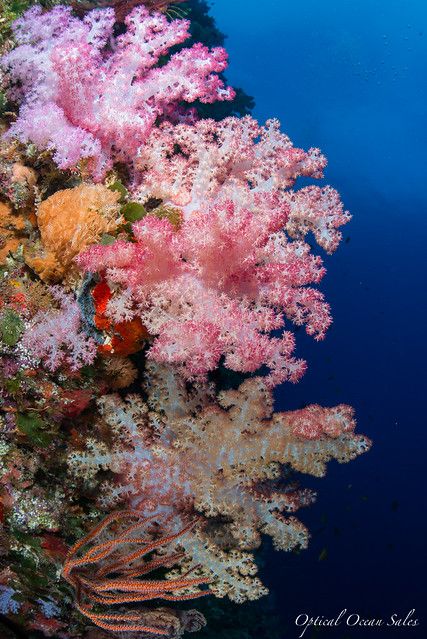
323, 555
394, 505
347, 239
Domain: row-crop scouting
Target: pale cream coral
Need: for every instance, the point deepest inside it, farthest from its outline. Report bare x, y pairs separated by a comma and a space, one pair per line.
233, 572
69, 221
170, 396
218, 458
232, 445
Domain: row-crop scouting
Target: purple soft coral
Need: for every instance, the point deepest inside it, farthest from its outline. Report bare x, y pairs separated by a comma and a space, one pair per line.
86, 94
55, 336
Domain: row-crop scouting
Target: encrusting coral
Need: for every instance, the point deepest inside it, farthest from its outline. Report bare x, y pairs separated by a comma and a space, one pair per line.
17, 181
152, 264
11, 231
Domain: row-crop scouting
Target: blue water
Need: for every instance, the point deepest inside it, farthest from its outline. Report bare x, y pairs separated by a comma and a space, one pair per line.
349, 77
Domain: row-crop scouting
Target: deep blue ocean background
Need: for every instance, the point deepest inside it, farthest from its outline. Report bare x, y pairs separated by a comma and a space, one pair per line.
350, 77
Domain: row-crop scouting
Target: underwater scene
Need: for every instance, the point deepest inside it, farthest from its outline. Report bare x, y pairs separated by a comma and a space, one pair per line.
212, 303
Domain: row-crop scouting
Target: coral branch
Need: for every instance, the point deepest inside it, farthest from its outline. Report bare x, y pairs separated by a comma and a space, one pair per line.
239, 160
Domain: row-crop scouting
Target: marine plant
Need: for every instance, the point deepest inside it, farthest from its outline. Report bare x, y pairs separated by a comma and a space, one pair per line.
149, 252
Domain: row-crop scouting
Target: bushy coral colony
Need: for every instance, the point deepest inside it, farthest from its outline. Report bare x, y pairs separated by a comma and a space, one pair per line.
90, 95
148, 254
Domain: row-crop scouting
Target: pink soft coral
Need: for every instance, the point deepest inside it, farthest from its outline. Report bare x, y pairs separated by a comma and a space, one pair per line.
238, 266
216, 287
240, 160
56, 338
85, 93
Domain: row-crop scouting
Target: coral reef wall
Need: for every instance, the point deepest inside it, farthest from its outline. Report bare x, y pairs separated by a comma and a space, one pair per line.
156, 257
